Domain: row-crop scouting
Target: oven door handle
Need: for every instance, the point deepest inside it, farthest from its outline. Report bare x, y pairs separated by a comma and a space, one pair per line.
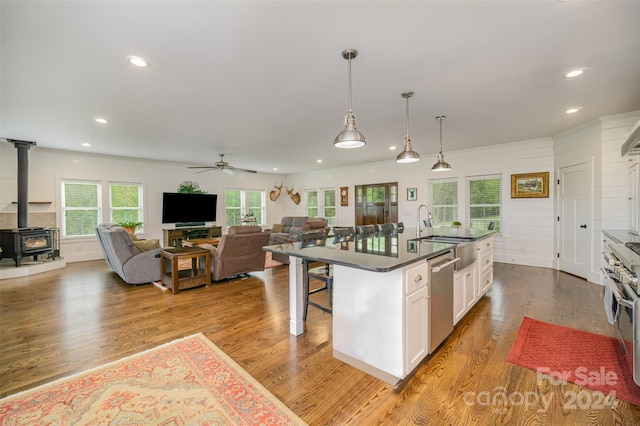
616, 291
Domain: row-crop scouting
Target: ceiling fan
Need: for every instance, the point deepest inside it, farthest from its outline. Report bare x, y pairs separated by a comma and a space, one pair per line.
222, 165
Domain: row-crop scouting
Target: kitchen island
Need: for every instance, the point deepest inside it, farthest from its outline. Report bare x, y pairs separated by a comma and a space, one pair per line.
381, 295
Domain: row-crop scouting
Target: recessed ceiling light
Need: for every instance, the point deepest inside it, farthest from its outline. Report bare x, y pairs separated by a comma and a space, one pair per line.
319, 160
572, 110
275, 169
392, 148
101, 120
86, 144
138, 61
573, 73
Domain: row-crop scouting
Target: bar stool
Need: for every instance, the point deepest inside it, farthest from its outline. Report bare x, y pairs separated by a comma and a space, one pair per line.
343, 233
322, 273
385, 228
366, 229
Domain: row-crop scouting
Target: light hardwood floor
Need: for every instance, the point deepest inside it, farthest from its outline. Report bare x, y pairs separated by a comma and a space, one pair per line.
66, 321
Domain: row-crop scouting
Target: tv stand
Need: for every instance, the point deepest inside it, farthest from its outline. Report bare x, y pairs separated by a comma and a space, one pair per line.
174, 237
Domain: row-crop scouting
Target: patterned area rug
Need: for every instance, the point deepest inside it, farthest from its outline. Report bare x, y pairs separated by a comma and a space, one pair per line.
187, 381
587, 359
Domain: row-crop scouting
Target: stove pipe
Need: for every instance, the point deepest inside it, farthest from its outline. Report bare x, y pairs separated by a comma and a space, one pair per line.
23, 180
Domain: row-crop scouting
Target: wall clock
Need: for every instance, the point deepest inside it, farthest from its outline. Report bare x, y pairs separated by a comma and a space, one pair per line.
344, 195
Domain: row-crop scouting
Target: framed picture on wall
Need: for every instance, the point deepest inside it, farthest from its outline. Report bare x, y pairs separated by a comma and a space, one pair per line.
530, 185
412, 194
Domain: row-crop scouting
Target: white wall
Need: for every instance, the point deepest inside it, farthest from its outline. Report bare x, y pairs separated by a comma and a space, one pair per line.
598, 144
527, 234
613, 194
48, 167
528, 224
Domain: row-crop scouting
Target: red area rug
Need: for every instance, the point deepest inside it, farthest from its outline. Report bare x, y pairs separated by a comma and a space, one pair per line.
587, 359
187, 381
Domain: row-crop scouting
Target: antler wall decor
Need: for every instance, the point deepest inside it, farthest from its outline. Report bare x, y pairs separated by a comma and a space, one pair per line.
273, 195
294, 196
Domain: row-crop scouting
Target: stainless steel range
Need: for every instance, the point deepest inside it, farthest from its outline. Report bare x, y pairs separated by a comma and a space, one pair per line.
621, 267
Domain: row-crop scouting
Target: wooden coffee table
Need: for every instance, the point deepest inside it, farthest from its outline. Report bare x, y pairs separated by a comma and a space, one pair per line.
214, 241
179, 279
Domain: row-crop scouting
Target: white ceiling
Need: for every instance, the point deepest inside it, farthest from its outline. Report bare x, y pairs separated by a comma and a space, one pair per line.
265, 83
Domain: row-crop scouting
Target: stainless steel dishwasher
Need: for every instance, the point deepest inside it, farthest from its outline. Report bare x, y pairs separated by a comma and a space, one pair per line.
440, 298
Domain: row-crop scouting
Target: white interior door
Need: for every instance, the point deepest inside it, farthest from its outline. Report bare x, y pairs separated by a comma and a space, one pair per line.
575, 219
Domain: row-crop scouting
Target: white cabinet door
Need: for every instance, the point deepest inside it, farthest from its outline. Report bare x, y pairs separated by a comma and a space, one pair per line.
469, 286
459, 304
417, 330
464, 291
484, 270
485, 282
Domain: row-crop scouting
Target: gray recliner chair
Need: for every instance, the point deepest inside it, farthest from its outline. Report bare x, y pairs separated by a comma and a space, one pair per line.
133, 266
239, 252
291, 228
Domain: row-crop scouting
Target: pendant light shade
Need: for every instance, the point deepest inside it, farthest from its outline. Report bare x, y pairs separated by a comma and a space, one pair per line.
408, 155
441, 165
350, 137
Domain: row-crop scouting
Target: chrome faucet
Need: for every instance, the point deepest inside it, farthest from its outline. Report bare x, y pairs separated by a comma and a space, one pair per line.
430, 218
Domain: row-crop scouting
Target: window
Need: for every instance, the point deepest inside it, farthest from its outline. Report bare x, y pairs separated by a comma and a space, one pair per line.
312, 203
233, 207
82, 205
322, 203
257, 205
239, 202
329, 214
444, 201
484, 201
125, 201
81, 208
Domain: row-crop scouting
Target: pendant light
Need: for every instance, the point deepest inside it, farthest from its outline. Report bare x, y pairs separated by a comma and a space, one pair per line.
349, 137
408, 155
441, 165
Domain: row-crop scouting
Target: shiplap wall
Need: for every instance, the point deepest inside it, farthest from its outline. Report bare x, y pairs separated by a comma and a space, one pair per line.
598, 144
527, 230
48, 167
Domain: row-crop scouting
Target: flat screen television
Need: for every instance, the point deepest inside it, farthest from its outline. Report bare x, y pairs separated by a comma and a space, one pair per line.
188, 208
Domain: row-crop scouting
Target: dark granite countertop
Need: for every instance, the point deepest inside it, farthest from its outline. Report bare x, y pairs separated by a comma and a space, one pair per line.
380, 253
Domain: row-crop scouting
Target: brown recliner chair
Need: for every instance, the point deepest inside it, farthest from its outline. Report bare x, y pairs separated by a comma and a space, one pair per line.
239, 252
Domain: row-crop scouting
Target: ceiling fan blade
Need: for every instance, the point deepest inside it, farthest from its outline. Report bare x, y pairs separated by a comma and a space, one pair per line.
222, 165
245, 170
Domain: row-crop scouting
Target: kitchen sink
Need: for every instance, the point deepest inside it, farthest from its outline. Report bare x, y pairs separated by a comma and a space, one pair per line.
446, 239
465, 249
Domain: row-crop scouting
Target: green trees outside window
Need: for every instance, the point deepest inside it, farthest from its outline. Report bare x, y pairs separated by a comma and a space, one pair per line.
126, 206
80, 208
485, 198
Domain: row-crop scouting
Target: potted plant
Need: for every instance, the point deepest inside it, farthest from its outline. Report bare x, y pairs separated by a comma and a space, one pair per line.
457, 224
130, 226
190, 187
249, 218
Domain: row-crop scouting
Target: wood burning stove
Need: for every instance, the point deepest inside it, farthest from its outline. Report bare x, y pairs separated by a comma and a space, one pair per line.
22, 242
